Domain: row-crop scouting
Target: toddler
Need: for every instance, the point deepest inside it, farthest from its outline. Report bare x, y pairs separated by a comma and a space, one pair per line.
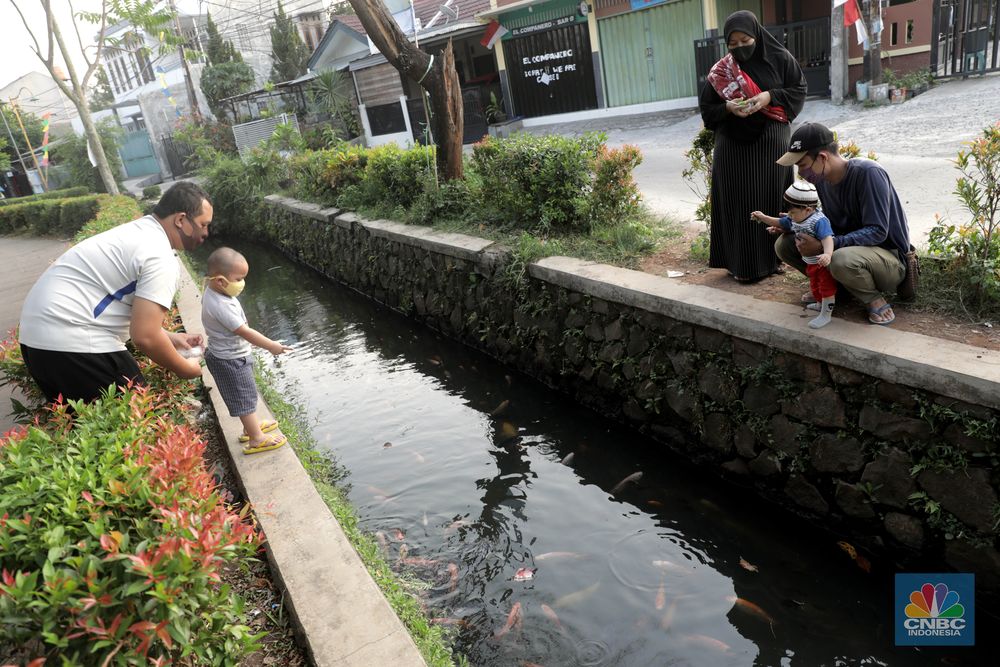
803, 218
229, 340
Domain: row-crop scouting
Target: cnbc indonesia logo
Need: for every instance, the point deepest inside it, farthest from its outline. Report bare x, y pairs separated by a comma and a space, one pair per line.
935, 613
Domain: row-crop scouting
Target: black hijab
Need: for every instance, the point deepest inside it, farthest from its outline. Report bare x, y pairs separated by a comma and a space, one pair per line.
772, 68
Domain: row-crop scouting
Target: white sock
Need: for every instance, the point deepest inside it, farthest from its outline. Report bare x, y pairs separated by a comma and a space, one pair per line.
825, 311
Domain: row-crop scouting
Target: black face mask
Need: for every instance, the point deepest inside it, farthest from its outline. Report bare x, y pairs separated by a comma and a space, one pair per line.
743, 53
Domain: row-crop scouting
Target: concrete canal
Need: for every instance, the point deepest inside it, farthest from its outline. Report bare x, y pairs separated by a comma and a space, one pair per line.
543, 534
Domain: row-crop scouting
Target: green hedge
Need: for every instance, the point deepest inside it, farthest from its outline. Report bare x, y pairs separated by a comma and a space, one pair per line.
54, 194
51, 216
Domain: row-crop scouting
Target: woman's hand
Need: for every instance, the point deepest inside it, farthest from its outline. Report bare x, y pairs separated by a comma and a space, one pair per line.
758, 102
738, 108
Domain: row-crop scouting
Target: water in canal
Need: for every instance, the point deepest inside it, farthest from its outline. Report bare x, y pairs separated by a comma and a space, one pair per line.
546, 535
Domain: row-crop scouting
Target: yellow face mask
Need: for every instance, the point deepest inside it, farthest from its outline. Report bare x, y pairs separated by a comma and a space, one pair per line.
230, 287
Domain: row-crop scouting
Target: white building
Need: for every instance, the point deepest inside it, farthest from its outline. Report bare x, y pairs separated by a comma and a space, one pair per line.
38, 94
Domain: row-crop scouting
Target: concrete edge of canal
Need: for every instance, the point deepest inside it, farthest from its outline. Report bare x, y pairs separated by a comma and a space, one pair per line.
341, 615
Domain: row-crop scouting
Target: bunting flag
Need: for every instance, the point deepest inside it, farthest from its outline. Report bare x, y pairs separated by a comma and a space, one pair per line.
45, 138
852, 16
161, 74
494, 31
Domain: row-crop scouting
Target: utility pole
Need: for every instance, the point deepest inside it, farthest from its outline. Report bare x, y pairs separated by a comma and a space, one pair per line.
192, 95
838, 55
34, 158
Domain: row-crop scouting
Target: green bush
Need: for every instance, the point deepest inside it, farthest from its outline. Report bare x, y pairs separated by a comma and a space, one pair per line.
394, 175
72, 154
112, 538
52, 194
537, 183
972, 249
111, 212
237, 189
151, 192
49, 216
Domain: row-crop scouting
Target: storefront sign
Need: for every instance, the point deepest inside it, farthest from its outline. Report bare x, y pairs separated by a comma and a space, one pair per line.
545, 25
550, 70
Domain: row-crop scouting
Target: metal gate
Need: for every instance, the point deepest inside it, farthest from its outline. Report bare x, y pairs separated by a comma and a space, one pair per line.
137, 154
807, 41
551, 71
178, 155
645, 54
967, 38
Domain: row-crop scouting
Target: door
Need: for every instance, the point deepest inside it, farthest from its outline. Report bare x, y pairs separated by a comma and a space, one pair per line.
551, 71
137, 154
647, 54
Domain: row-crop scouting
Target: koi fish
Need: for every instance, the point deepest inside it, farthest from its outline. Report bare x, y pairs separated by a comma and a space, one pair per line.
452, 576
512, 618
753, 610
654, 503
500, 409
568, 458
444, 620
398, 535
455, 525
668, 618
661, 595
556, 554
524, 574
375, 491
418, 457
419, 562
507, 431
747, 565
669, 566
436, 360
423, 519
403, 550
551, 613
380, 538
527, 663
634, 477
577, 597
707, 642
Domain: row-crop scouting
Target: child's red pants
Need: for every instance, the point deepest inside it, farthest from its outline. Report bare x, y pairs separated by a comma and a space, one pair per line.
821, 281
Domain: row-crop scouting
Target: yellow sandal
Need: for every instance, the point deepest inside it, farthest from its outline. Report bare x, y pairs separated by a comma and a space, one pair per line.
272, 442
266, 426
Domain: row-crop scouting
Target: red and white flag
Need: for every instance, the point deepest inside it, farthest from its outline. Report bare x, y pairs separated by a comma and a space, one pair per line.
494, 31
852, 16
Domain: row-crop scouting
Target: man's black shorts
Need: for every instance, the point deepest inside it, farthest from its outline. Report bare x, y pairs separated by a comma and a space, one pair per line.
79, 375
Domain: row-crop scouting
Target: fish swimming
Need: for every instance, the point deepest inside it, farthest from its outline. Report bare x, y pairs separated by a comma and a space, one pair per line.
548, 555
524, 574
668, 618
512, 618
568, 458
631, 479
707, 642
452, 576
551, 613
661, 595
500, 409
577, 597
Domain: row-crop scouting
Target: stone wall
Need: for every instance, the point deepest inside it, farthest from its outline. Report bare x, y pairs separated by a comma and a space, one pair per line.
886, 436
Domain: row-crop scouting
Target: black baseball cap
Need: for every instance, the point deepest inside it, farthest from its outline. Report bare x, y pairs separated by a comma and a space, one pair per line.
809, 136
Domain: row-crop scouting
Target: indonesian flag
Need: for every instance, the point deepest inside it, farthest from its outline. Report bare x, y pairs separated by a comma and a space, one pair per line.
494, 31
852, 15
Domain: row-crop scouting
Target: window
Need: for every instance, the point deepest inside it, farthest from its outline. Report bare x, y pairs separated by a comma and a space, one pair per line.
909, 30
243, 36
113, 78
893, 33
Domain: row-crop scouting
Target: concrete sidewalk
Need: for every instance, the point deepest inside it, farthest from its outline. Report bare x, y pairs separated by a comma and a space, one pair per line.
22, 261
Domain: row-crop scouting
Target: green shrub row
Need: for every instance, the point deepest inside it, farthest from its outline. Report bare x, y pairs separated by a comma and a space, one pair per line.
49, 216
52, 194
540, 184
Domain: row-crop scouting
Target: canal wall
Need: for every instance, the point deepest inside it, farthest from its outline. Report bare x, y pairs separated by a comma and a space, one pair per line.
886, 437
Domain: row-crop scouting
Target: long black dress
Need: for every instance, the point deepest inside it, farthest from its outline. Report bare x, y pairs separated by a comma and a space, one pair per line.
745, 176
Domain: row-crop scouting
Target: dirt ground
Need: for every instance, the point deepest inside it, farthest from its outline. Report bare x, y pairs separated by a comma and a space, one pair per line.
788, 287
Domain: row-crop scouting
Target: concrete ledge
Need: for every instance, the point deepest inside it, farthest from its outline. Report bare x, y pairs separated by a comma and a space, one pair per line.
347, 220
460, 246
963, 372
314, 211
342, 616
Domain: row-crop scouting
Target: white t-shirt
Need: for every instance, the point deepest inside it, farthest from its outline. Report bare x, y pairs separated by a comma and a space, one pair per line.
83, 302
222, 315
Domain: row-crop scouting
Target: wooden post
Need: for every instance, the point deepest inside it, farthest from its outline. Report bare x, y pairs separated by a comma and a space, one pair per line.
839, 78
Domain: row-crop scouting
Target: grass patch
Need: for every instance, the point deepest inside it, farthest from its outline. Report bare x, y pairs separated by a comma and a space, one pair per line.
943, 292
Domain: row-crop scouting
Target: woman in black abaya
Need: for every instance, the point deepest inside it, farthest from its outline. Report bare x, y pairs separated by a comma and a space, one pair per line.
753, 94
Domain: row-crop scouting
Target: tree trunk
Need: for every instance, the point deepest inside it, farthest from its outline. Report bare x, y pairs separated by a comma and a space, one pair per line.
79, 99
436, 75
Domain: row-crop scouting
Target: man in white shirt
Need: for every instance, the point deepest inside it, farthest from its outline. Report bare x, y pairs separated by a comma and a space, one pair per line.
111, 287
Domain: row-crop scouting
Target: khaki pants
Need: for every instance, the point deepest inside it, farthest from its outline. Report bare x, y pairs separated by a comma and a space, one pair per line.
867, 272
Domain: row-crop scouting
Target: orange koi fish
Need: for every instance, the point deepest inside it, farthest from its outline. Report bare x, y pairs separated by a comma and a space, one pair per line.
419, 562
512, 618
398, 535
753, 610
668, 618
551, 613
452, 576
524, 574
661, 595
707, 642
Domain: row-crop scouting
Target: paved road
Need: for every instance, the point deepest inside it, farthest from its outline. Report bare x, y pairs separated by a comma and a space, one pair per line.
916, 142
22, 261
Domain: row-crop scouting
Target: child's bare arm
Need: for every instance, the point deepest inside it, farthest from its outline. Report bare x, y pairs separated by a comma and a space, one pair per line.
824, 259
255, 337
772, 221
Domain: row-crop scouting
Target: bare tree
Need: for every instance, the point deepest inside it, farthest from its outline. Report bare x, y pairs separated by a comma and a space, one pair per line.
436, 75
142, 13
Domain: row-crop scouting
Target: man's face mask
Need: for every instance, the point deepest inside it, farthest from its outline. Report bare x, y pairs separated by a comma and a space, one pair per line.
811, 174
230, 287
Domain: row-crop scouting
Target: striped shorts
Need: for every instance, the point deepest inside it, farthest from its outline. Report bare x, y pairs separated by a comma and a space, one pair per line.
234, 378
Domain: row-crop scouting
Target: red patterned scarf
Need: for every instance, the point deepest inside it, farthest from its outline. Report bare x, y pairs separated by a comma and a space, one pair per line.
731, 83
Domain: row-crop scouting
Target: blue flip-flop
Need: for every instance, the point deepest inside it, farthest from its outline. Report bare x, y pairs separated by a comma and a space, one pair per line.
878, 311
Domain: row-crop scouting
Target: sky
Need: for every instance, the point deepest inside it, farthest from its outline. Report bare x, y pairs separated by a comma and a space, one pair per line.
15, 42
